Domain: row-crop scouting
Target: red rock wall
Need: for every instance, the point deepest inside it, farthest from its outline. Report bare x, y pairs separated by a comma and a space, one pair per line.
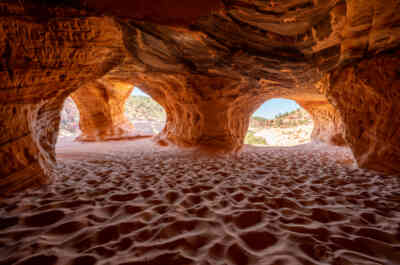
209, 76
328, 125
101, 109
41, 63
367, 95
18, 149
211, 114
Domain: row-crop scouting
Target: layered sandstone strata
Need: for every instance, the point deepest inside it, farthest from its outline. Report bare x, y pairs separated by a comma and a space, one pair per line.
209, 113
101, 109
210, 70
367, 95
42, 62
328, 124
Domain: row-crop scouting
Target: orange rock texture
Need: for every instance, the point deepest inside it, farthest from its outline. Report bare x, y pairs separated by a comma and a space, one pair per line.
209, 64
101, 110
209, 113
42, 63
328, 125
367, 95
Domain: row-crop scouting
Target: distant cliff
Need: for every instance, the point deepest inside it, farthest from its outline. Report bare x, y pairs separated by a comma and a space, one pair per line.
141, 108
137, 108
284, 120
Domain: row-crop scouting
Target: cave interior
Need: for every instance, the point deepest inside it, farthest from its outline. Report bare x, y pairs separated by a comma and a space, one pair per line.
210, 64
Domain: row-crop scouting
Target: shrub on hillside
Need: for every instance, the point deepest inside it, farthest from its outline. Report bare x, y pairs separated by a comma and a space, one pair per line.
143, 108
254, 140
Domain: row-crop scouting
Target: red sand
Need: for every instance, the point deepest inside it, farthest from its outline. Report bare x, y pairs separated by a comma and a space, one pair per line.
136, 203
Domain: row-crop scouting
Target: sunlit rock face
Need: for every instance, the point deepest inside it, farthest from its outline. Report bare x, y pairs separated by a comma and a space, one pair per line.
41, 63
367, 96
101, 109
328, 125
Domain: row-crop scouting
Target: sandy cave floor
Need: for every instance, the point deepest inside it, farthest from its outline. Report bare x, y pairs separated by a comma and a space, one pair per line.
135, 203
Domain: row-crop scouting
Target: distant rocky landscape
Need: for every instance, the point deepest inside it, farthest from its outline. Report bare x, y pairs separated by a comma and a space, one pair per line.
144, 109
69, 122
148, 117
286, 129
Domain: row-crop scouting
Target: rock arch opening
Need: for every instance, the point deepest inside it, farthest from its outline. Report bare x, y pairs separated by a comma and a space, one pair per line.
279, 122
147, 116
69, 121
339, 60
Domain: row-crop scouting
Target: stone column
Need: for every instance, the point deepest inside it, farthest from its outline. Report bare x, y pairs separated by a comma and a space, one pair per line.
41, 63
207, 113
101, 109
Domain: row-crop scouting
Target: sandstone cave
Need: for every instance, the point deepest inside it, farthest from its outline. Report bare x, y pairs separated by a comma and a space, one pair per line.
194, 193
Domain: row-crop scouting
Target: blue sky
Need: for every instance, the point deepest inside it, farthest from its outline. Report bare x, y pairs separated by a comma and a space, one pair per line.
268, 110
138, 92
275, 106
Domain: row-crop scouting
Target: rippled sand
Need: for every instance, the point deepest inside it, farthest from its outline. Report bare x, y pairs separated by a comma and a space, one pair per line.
161, 206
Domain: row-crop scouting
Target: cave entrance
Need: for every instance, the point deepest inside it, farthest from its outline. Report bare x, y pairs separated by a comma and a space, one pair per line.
147, 116
69, 122
279, 122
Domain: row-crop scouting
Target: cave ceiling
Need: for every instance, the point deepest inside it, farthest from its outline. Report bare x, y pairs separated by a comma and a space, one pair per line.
283, 47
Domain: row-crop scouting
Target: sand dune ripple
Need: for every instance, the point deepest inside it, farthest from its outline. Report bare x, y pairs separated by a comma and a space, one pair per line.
298, 205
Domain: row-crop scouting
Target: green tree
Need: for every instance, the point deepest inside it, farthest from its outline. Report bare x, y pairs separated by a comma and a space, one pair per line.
254, 140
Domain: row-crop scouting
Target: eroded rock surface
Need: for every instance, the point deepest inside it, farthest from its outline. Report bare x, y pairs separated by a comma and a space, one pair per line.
367, 95
210, 113
101, 109
210, 70
42, 62
328, 124
275, 49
